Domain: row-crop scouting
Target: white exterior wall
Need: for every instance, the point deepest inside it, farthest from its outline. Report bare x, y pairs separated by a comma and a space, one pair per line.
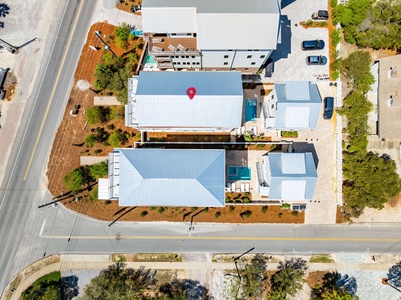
241, 59
234, 59
186, 61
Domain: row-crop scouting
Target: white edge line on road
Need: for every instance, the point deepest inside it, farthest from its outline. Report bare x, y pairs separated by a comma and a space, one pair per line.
54, 89
33, 108
43, 227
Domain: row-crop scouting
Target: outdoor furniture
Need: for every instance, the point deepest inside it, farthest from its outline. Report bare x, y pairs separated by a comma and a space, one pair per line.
242, 187
247, 187
172, 48
181, 47
157, 49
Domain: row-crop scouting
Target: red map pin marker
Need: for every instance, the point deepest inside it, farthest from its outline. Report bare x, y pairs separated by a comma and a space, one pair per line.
191, 92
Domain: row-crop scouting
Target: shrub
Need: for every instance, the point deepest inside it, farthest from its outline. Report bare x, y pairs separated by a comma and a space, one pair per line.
97, 151
99, 170
144, 213
280, 215
94, 194
335, 37
217, 214
309, 22
285, 206
333, 3
231, 208
206, 209
153, 208
97, 115
91, 140
246, 200
161, 210
193, 209
227, 199
264, 209
116, 139
294, 213
246, 214
75, 180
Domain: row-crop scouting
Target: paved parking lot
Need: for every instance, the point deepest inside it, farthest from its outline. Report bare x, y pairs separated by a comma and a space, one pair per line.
289, 59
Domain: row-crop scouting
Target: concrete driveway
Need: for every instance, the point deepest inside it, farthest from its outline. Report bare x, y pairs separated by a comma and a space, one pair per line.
289, 59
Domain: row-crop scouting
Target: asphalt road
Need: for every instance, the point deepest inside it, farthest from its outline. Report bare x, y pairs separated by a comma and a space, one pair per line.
43, 113
72, 233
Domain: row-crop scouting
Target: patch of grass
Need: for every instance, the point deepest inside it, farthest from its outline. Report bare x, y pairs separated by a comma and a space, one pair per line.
118, 258
153, 208
162, 257
231, 208
144, 213
161, 210
325, 258
246, 214
217, 215
294, 213
193, 209
54, 276
264, 209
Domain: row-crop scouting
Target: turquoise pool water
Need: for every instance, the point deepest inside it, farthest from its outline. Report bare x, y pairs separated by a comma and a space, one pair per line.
250, 109
150, 59
238, 173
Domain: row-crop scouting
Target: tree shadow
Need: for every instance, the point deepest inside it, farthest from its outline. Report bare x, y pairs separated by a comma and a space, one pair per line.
190, 289
394, 275
69, 287
4, 10
120, 210
335, 280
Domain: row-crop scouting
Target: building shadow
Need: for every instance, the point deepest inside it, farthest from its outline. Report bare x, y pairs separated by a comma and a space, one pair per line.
69, 287
284, 44
304, 148
285, 3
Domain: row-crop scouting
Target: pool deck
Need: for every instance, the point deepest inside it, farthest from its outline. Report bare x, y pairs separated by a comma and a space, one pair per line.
246, 158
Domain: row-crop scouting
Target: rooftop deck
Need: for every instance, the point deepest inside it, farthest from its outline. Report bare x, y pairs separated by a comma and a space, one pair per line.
177, 45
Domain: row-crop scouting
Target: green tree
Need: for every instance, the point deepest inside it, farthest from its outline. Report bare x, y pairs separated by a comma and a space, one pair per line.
97, 115
338, 294
122, 33
45, 288
289, 278
253, 277
116, 139
75, 180
99, 170
103, 74
118, 282
356, 67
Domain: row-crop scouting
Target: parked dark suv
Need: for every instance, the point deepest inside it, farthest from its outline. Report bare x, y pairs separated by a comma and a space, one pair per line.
328, 108
312, 45
316, 60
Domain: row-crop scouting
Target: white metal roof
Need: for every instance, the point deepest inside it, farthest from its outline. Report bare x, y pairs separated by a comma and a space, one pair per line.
223, 24
293, 189
162, 100
103, 189
293, 164
297, 117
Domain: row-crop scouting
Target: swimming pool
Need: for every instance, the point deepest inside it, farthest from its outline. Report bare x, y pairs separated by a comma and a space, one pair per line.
150, 59
250, 109
238, 173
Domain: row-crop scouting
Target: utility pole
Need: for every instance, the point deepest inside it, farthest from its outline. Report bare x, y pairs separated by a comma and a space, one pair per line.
97, 33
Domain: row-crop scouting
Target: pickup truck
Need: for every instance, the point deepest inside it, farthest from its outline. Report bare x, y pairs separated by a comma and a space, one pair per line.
320, 15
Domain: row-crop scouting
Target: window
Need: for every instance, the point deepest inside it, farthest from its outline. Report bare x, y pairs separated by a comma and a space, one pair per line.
272, 97
272, 106
249, 56
234, 69
173, 34
262, 56
246, 69
189, 33
253, 63
225, 56
178, 63
225, 63
186, 56
193, 56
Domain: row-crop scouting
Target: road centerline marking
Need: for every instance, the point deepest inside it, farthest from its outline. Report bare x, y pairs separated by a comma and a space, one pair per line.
53, 91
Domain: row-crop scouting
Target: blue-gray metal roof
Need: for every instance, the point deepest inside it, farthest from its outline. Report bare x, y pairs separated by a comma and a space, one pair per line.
298, 168
298, 105
162, 100
171, 177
